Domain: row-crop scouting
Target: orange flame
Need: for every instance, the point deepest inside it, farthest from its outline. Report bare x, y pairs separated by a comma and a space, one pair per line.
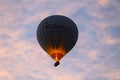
56, 53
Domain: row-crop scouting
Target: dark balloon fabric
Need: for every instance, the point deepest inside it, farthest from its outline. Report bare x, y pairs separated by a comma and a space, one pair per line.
57, 35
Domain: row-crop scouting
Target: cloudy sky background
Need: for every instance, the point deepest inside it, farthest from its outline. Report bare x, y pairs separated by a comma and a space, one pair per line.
96, 55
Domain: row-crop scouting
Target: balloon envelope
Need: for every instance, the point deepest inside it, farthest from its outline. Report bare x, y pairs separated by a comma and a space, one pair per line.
57, 35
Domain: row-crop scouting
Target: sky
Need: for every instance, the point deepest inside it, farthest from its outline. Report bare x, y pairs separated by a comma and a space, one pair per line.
96, 55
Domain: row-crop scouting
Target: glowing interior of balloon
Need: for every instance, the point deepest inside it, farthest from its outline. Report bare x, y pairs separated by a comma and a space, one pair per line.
56, 53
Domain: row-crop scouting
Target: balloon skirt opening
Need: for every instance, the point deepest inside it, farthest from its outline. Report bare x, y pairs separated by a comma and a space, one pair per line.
57, 56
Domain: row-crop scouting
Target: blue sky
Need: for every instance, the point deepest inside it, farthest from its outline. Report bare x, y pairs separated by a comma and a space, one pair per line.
96, 55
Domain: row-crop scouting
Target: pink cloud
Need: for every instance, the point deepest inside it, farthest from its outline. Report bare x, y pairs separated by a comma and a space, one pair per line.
20, 57
4, 75
110, 40
113, 75
69, 8
104, 2
36, 17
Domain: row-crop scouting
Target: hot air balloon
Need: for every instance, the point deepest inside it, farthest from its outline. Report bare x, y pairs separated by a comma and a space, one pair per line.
57, 35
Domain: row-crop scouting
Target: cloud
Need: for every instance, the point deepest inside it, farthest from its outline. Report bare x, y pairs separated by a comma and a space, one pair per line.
104, 2
36, 17
94, 57
70, 8
113, 75
103, 9
110, 40
4, 75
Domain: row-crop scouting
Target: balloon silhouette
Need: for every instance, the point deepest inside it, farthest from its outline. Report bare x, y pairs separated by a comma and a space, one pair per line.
57, 35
